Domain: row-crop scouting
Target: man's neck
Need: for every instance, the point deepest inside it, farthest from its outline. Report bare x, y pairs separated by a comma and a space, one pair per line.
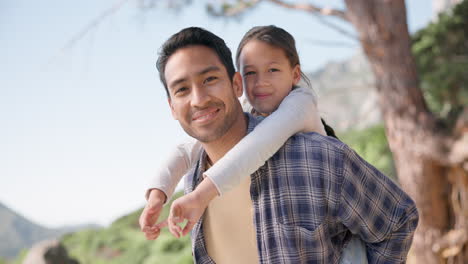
215, 150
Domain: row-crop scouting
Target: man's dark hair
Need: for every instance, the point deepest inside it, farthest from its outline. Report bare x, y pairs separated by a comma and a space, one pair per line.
189, 37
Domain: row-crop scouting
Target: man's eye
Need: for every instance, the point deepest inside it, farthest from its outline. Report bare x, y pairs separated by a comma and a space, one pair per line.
249, 73
181, 90
210, 79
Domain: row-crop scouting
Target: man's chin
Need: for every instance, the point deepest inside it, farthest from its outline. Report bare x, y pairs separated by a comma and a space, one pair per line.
206, 136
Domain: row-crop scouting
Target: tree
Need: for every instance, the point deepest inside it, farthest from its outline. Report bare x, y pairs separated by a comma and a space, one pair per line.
431, 159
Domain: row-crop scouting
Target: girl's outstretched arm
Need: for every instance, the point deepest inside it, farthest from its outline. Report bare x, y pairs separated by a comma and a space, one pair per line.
297, 112
179, 161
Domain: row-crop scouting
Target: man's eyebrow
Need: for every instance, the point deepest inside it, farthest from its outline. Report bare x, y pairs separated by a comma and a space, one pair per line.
208, 69
174, 83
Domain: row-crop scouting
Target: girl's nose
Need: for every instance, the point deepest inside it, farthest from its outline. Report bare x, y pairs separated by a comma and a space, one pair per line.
262, 80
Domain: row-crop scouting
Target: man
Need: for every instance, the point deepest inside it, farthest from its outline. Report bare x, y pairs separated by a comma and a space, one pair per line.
305, 202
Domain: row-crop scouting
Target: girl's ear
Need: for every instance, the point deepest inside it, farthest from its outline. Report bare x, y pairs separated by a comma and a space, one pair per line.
296, 74
237, 84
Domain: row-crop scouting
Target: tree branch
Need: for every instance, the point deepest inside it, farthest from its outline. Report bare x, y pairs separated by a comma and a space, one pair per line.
229, 10
314, 9
94, 23
319, 12
232, 10
328, 43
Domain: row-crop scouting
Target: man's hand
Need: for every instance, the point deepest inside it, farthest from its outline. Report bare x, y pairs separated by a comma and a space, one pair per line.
150, 215
191, 207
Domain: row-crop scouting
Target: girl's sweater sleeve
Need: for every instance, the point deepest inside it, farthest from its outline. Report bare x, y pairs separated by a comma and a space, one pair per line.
297, 113
179, 161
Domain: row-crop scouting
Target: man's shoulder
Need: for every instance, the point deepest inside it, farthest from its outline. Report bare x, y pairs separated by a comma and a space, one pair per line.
316, 140
311, 139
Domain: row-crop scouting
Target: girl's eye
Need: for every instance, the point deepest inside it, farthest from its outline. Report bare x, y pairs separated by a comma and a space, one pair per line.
209, 79
273, 70
249, 73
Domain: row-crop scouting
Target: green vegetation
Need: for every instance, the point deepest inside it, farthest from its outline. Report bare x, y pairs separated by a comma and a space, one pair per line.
371, 144
124, 243
441, 52
19, 259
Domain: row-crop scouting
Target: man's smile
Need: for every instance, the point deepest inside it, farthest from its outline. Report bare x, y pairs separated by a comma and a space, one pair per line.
206, 115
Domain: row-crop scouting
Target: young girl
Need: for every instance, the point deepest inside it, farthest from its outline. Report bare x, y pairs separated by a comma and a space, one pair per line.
269, 64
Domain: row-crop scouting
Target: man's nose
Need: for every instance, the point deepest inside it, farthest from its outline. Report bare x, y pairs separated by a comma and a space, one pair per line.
200, 97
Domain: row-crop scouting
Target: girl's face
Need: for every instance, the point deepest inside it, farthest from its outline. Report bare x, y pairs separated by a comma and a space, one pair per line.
267, 75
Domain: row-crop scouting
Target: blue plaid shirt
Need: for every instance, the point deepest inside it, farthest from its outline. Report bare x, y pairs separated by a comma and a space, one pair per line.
311, 196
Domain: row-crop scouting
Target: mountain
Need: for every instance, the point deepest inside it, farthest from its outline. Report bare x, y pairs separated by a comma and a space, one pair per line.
347, 96
17, 232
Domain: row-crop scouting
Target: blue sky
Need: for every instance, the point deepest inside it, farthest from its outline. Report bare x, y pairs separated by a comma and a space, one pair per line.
82, 131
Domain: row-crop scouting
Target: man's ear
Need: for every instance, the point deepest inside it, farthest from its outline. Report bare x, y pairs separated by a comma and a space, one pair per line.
174, 115
237, 84
296, 74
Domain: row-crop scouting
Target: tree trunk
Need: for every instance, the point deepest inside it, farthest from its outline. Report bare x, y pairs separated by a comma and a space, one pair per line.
411, 129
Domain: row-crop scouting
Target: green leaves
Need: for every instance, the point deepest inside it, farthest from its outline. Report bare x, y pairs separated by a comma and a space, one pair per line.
371, 144
441, 53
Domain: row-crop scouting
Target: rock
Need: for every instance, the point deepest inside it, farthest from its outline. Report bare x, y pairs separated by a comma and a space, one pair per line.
48, 252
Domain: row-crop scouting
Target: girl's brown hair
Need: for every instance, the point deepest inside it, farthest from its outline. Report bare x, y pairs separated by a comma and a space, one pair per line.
280, 38
276, 37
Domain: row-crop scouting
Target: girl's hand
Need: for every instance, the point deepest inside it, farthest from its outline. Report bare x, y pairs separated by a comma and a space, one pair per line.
150, 215
190, 207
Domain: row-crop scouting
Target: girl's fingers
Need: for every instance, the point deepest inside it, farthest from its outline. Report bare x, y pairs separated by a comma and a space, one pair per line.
188, 227
152, 235
173, 227
162, 224
176, 231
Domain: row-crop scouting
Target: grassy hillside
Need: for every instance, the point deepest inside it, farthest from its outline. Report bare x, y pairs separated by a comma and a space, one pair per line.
124, 243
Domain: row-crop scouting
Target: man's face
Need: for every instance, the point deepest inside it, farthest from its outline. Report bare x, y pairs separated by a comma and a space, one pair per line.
202, 97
